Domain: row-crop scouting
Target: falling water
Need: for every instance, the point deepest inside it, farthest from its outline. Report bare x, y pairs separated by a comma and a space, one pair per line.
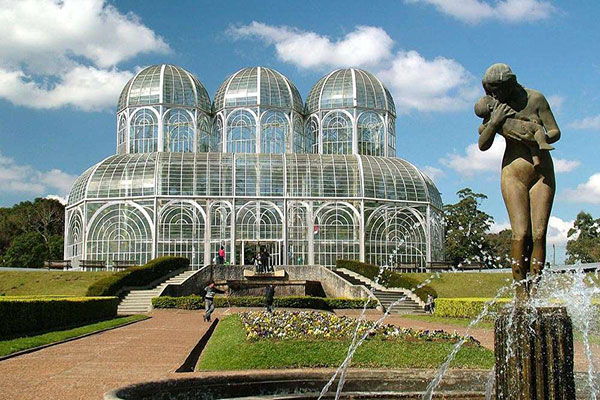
575, 291
489, 385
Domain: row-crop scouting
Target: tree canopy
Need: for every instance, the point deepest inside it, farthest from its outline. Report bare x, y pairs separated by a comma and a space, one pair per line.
584, 240
31, 232
466, 229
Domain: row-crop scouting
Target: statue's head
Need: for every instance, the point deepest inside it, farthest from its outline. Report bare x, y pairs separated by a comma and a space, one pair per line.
499, 81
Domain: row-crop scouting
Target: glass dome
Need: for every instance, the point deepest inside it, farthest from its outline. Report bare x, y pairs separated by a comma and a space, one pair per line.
164, 108
350, 87
164, 84
349, 111
258, 86
259, 110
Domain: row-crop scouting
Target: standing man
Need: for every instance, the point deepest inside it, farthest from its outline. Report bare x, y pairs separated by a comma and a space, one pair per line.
269, 296
209, 297
221, 256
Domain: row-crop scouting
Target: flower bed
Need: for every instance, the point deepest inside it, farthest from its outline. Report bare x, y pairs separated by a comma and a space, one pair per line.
319, 325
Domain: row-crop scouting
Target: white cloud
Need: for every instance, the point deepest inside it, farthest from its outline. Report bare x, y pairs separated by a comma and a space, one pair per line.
563, 165
433, 172
85, 88
62, 200
26, 179
474, 11
475, 161
499, 226
417, 83
440, 84
58, 53
588, 192
588, 123
366, 45
557, 231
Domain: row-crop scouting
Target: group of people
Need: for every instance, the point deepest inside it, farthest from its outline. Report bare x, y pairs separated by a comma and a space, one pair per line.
211, 291
262, 261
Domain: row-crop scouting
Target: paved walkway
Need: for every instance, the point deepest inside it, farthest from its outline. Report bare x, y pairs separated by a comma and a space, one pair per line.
89, 367
149, 350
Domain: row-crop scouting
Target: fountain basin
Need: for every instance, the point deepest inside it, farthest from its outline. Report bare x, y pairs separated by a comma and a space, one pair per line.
306, 384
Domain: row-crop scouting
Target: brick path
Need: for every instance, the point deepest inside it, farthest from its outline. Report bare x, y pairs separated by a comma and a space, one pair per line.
149, 350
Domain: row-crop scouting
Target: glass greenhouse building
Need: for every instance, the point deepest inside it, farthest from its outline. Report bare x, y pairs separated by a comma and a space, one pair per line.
257, 168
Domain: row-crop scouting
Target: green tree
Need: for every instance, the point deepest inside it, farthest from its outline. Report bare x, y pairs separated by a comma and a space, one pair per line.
466, 228
500, 244
46, 217
584, 240
27, 250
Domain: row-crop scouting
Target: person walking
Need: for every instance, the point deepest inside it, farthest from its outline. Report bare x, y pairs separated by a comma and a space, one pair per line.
269, 297
209, 297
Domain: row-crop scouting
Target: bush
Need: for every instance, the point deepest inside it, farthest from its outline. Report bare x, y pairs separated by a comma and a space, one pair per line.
467, 307
27, 250
388, 278
29, 315
320, 303
137, 276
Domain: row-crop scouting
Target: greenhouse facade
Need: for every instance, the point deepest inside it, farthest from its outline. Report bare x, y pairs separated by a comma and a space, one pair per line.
255, 169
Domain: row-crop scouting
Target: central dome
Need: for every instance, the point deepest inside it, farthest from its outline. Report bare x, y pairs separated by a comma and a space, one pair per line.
254, 86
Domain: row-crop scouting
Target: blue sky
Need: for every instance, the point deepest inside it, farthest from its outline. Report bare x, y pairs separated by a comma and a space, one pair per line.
63, 65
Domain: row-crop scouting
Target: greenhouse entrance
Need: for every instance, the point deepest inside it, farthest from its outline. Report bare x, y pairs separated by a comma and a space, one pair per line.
249, 248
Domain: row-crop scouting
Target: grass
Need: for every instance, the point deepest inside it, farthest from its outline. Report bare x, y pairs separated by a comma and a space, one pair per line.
69, 283
11, 346
228, 349
465, 284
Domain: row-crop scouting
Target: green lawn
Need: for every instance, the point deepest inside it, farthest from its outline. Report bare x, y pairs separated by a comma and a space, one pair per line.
14, 345
228, 349
71, 283
465, 284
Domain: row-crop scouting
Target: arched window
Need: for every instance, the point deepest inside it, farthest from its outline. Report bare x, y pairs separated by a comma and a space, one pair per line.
396, 237
205, 140
74, 238
241, 132
371, 134
274, 131
122, 135
311, 130
181, 232
336, 234
143, 133
337, 133
301, 141
178, 131
299, 228
217, 134
391, 137
120, 232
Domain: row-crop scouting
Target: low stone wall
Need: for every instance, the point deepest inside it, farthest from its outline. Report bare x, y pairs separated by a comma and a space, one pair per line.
333, 285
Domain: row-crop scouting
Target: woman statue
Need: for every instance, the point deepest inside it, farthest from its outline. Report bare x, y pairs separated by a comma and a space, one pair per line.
527, 189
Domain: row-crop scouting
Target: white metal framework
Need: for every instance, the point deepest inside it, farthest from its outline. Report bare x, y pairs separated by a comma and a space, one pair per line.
311, 184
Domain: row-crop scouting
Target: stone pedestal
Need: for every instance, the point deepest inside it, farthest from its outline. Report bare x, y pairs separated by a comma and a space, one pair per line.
534, 354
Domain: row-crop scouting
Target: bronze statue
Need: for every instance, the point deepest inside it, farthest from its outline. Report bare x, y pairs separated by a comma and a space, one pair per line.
527, 178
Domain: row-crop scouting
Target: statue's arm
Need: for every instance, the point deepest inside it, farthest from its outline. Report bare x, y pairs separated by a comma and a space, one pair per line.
488, 129
547, 118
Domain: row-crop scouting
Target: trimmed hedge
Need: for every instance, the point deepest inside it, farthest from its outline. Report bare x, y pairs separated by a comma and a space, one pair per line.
137, 276
26, 316
389, 278
195, 302
469, 307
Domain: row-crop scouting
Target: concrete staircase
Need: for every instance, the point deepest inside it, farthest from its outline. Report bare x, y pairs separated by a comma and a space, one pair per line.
411, 304
140, 300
